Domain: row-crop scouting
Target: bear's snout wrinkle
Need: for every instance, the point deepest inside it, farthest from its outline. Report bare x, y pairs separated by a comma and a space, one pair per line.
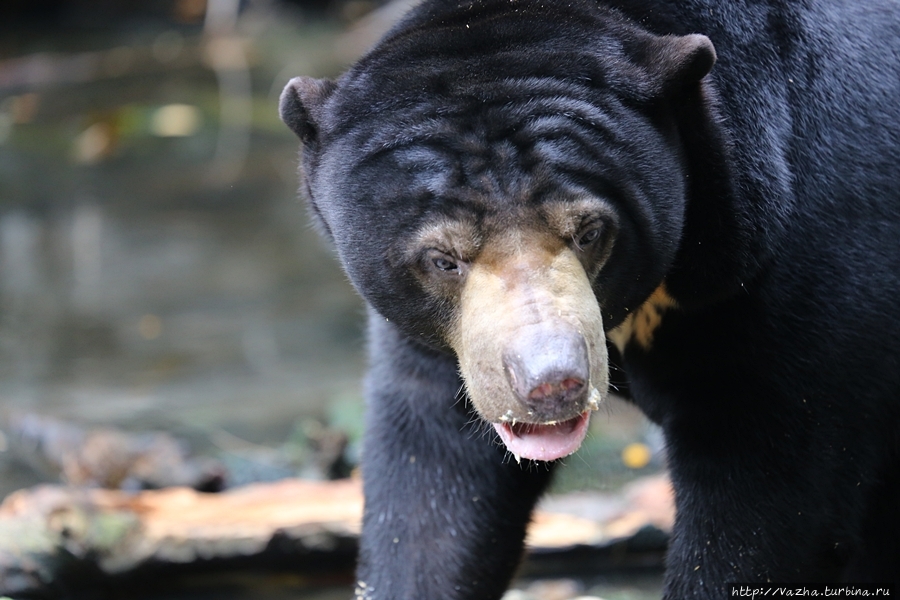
548, 368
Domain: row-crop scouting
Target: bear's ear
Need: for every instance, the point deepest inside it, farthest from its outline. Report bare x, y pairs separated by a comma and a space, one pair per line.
673, 61
301, 105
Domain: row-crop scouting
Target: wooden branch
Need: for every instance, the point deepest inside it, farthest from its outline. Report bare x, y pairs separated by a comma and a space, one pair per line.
54, 536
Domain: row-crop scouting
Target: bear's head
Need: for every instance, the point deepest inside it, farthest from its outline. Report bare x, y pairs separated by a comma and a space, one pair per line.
506, 184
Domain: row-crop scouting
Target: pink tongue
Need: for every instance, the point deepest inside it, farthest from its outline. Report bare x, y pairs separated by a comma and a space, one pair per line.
544, 442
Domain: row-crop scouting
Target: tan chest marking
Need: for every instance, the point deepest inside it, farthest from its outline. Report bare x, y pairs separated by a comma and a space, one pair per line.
642, 323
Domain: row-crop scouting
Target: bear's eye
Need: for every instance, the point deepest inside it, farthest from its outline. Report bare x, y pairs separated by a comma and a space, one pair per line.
589, 236
443, 263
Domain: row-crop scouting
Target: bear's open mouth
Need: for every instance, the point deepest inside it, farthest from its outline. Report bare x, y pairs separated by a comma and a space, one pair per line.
544, 441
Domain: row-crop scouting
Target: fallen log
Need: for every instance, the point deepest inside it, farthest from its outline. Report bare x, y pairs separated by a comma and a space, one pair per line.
56, 539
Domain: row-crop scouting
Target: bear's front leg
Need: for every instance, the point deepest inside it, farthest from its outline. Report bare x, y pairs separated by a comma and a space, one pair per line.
446, 506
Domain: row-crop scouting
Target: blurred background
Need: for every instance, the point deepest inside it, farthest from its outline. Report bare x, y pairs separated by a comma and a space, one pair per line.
157, 269
160, 284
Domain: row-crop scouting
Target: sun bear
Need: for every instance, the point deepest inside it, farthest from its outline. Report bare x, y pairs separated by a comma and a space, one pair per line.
702, 193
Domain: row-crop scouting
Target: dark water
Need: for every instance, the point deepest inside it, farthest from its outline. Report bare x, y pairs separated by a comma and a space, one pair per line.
157, 270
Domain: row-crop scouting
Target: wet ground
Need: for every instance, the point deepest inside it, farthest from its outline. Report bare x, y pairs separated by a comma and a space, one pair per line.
157, 270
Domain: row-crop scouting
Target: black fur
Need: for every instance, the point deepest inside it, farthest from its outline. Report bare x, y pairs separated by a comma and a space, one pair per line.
765, 197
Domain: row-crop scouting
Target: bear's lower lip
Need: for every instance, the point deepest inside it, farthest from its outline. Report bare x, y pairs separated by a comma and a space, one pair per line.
544, 441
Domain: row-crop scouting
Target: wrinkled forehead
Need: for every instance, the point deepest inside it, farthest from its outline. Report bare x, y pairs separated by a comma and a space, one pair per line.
479, 115
515, 145
494, 64
487, 165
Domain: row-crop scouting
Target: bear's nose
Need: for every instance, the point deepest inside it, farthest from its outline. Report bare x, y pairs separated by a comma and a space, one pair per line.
548, 370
